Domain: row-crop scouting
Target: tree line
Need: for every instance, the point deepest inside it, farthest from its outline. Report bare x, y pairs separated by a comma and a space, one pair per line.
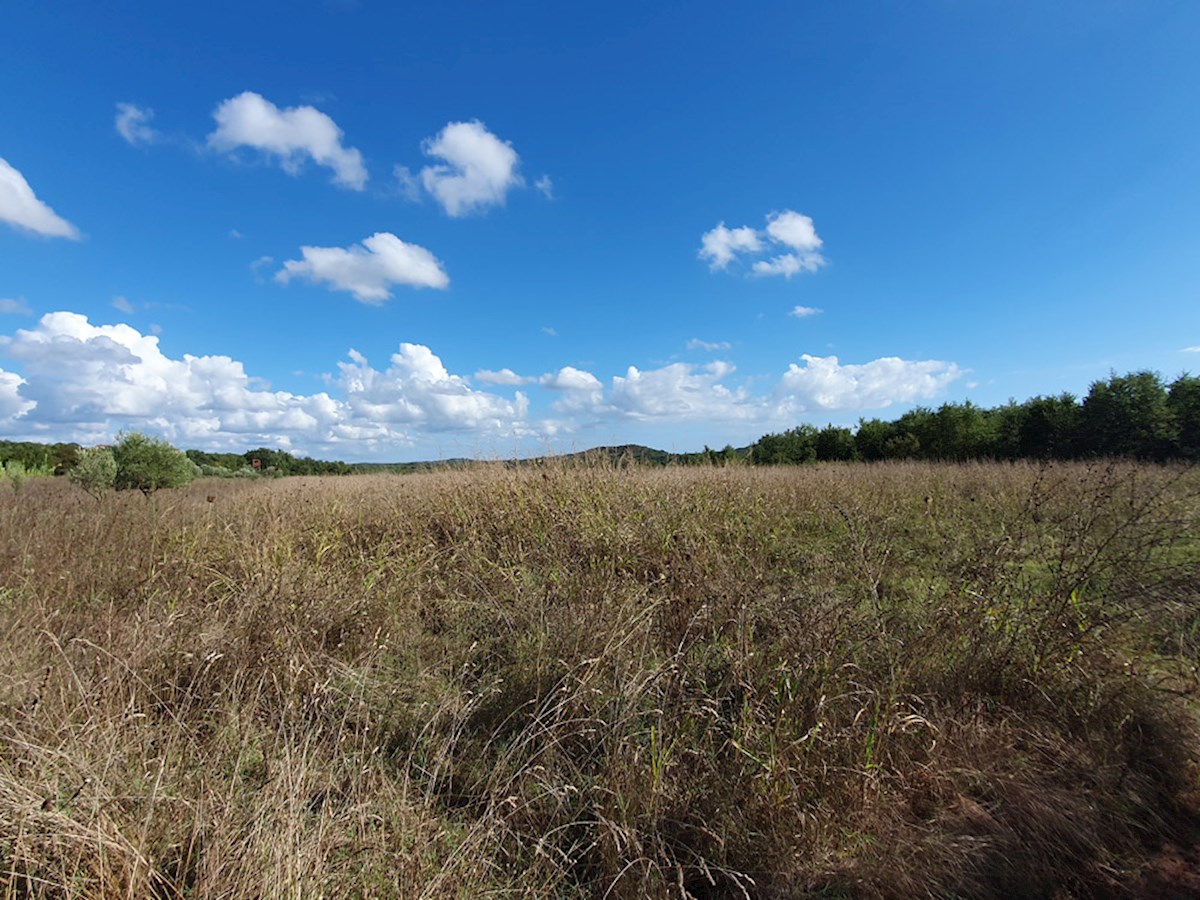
265, 461
1137, 415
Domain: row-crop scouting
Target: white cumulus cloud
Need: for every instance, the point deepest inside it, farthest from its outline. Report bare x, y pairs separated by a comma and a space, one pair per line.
12, 404
291, 135
367, 270
794, 230
417, 390
824, 383
568, 378
721, 244
478, 172
133, 124
85, 382
788, 230
20, 207
579, 392
69, 379
680, 392
505, 377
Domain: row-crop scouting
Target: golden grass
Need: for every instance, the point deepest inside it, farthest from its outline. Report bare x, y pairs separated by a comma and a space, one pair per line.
895, 680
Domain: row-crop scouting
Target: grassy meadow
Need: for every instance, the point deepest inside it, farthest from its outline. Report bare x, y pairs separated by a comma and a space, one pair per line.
570, 681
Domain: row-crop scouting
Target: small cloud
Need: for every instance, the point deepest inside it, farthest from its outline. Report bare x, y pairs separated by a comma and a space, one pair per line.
20, 207
697, 344
804, 312
123, 305
259, 264
292, 135
133, 124
505, 377
1195, 349
721, 244
235, 234
155, 328
568, 378
367, 270
546, 329
786, 265
17, 307
791, 229
407, 183
478, 172
546, 186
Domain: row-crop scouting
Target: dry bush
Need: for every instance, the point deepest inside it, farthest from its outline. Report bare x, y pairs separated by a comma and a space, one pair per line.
876, 681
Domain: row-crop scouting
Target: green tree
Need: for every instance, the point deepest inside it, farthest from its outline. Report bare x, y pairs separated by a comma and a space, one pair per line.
871, 438
835, 443
912, 435
1184, 400
1128, 415
1050, 428
956, 431
797, 445
1006, 424
147, 464
95, 471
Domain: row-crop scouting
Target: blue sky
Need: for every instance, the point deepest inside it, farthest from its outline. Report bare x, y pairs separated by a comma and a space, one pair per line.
369, 231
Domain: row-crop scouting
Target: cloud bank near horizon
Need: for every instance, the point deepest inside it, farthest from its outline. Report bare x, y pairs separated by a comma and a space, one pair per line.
84, 382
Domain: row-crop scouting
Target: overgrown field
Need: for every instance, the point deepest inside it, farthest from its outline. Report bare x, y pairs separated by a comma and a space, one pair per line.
862, 681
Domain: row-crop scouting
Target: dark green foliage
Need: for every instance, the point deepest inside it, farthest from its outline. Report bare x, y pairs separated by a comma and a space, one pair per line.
147, 464
58, 458
1049, 428
836, 444
799, 445
284, 463
1183, 400
872, 438
1128, 416
1133, 415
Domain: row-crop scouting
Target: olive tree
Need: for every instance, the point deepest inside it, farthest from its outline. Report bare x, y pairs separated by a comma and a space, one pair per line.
148, 463
95, 471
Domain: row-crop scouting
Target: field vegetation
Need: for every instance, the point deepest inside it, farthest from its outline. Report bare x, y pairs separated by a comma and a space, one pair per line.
889, 680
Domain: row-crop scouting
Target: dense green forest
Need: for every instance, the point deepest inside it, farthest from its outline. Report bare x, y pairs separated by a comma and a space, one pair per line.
1137, 415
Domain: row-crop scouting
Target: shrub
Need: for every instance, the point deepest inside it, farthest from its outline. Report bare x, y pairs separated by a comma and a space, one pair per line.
147, 464
95, 471
14, 471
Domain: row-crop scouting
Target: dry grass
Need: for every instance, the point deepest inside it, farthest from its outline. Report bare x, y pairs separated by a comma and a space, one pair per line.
891, 681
